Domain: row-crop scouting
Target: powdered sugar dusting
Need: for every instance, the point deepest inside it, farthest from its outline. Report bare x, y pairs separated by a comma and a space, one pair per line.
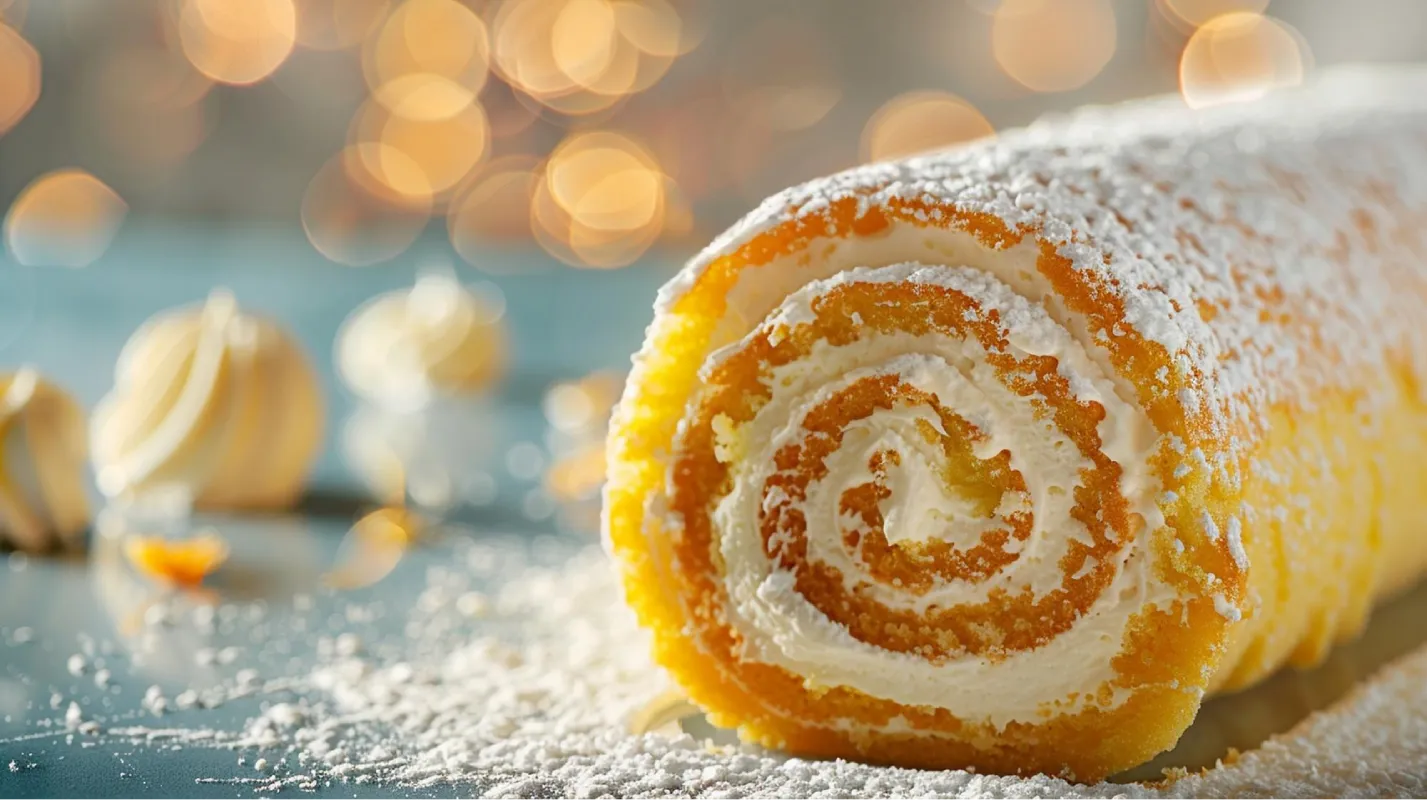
1372, 743
1235, 532
537, 701
1183, 215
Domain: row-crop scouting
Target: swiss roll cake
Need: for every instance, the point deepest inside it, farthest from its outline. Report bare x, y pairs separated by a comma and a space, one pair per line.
1007, 456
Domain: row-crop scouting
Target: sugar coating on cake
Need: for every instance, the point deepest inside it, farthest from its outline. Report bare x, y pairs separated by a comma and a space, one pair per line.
1108, 188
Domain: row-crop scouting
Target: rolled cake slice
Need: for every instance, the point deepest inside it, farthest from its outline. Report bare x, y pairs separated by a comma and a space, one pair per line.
1004, 457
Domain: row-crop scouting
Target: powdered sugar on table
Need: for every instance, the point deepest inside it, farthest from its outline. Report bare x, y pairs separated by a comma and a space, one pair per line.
531, 690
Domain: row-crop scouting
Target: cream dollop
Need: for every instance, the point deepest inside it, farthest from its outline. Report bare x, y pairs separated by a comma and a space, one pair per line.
43, 499
437, 339
211, 408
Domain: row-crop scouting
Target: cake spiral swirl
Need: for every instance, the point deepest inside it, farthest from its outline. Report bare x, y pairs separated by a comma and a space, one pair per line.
926, 475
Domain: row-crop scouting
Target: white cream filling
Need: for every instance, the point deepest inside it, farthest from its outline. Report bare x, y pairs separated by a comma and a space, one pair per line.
1049, 462
782, 628
916, 510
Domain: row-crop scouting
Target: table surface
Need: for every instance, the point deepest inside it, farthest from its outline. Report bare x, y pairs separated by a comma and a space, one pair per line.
564, 323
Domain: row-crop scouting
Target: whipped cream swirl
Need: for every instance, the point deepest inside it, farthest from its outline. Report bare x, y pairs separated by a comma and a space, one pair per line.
211, 407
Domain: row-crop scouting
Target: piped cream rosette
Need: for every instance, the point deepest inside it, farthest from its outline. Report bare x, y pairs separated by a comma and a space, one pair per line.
406, 349
212, 408
43, 489
1005, 457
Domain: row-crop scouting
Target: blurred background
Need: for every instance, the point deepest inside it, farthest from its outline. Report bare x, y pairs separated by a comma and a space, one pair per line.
566, 155
460, 210
593, 129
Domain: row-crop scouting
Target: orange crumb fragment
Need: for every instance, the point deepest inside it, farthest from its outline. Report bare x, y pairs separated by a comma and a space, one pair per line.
183, 562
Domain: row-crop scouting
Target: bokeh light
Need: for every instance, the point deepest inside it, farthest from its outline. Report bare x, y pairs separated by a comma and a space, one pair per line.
917, 122
655, 27
1193, 13
583, 40
373, 547
605, 181
414, 157
581, 57
601, 203
1240, 57
583, 406
494, 205
429, 60
19, 77
66, 218
577, 475
338, 24
581, 246
1053, 45
424, 96
356, 224
578, 412
523, 47
237, 41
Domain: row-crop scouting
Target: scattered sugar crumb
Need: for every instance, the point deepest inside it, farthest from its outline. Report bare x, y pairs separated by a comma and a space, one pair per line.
73, 716
1235, 533
1211, 529
1227, 609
